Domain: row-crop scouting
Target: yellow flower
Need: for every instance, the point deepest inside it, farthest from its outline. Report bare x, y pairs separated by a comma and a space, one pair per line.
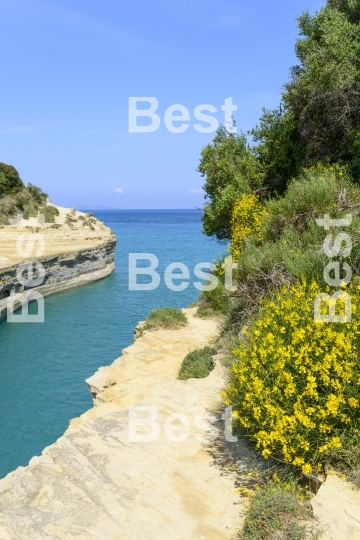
353, 402
307, 468
247, 220
294, 382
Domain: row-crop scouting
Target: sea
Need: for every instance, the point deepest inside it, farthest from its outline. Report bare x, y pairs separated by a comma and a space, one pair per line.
43, 366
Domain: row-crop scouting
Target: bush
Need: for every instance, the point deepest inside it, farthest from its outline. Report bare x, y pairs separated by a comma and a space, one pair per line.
197, 364
289, 247
217, 301
247, 220
294, 384
16, 198
10, 181
276, 512
230, 169
50, 212
166, 317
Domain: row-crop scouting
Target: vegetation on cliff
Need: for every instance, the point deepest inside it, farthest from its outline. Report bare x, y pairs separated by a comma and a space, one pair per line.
17, 198
293, 380
167, 317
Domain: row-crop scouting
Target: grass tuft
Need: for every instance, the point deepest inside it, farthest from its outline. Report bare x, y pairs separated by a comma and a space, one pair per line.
276, 512
167, 317
197, 364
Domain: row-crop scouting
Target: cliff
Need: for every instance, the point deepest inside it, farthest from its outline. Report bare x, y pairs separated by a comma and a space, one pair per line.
97, 483
76, 249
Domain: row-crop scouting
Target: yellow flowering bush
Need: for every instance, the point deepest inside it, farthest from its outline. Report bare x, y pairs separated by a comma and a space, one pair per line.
247, 218
294, 385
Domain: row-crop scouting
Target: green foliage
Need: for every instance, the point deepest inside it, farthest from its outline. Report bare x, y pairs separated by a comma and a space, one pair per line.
167, 317
10, 181
15, 197
291, 248
319, 115
324, 92
197, 364
36, 193
280, 149
230, 169
276, 511
49, 213
217, 301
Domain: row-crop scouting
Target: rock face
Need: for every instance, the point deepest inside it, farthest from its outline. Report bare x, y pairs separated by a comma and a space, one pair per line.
337, 510
98, 482
75, 250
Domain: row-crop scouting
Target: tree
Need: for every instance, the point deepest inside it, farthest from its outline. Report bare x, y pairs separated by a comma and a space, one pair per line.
10, 181
324, 91
231, 169
319, 115
280, 149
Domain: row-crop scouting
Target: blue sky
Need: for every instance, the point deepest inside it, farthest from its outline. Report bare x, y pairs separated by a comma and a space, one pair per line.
69, 67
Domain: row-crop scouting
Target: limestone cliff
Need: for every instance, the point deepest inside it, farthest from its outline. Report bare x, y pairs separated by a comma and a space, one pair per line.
97, 483
76, 249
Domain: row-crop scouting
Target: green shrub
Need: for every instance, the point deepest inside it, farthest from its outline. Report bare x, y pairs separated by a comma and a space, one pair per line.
50, 212
197, 364
276, 511
215, 302
230, 169
291, 245
166, 317
16, 198
294, 383
10, 181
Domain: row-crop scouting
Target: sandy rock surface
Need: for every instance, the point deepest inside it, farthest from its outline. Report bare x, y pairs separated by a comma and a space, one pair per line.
68, 236
337, 510
97, 483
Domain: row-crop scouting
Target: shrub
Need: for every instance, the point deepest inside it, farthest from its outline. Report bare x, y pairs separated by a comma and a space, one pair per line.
247, 219
50, 212
217, 301
290, 245
10, 181
276, 512
318, 191
230, 169
166, 317
197, 364
294, 383
15, 197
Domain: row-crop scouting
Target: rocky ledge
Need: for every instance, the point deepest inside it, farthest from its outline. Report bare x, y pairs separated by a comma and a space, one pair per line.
96, 483
75, 250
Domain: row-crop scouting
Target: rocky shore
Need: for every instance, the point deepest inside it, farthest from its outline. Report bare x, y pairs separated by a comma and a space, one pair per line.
96, 483
77, 249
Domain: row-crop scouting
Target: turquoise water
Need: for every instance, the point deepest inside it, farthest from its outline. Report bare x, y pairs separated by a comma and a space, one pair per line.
43, 366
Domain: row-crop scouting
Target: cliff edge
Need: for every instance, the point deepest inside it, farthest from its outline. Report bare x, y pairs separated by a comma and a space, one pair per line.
96, 482
75, 248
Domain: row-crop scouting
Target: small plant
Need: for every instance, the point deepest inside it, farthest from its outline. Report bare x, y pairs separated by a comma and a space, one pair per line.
70, 219
49, 213
247, 220
166, 317
276, 511
217, 301
197, 364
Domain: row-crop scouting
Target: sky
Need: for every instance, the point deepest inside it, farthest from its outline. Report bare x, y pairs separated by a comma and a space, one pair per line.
69, 67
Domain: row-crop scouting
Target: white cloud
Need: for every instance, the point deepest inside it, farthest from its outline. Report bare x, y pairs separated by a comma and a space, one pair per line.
197, 191
119, 190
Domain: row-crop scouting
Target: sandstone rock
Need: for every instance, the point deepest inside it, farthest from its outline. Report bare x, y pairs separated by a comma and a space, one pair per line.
97, 483
74, 255
337, 509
